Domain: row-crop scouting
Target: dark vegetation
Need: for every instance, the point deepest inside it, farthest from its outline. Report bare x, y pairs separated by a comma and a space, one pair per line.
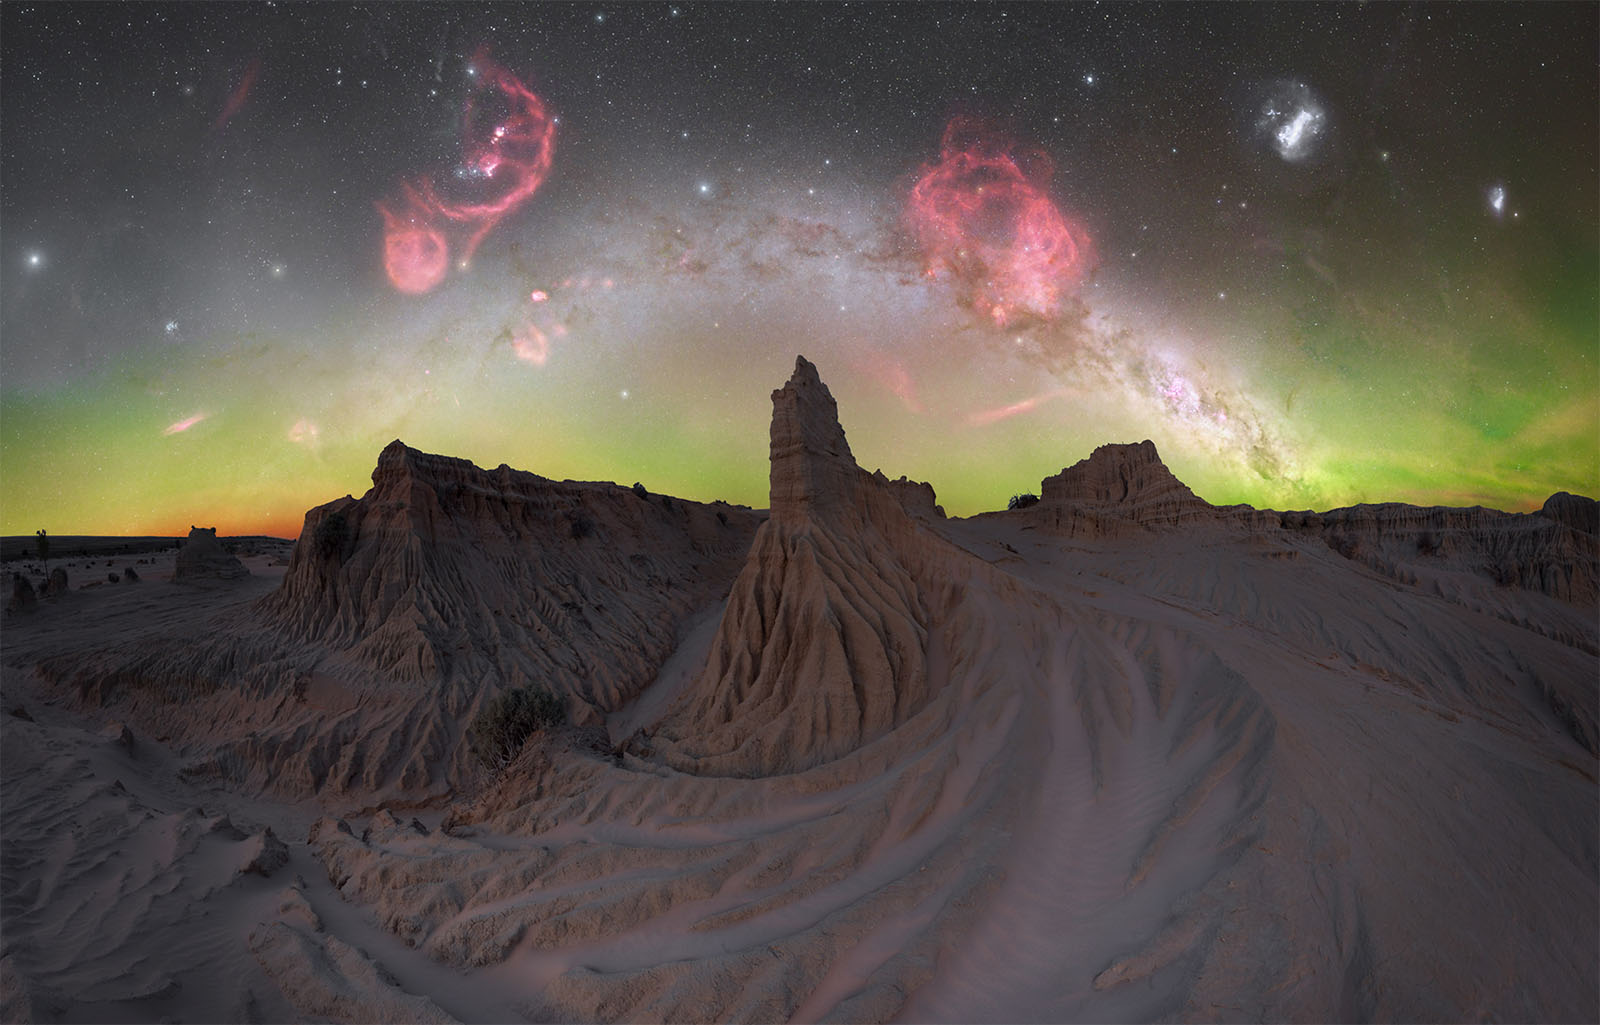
500, 730
330, 535
1022, 501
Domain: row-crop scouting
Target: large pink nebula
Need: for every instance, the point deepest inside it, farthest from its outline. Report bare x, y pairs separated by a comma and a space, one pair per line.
415, 253
508, 142
983, 218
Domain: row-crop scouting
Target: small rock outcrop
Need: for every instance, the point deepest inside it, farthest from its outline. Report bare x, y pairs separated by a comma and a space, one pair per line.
1118, 490
56, 584
203, 558
1576, 511
23, 596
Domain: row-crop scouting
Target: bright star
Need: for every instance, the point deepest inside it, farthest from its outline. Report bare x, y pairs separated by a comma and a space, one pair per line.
705, 189
35, 260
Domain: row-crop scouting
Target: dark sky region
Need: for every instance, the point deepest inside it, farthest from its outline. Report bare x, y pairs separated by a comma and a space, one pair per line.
1319, 254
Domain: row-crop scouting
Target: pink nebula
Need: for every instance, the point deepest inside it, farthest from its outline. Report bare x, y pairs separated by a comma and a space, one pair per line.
985, 417
531, 345
184, 424
983, 218
240, 94
415, 253
508, 143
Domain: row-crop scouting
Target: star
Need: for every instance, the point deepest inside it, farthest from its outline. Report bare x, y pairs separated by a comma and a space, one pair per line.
35, 260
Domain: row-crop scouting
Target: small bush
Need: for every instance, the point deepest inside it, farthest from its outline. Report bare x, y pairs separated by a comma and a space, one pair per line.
639, 490
1022, 501
500, 730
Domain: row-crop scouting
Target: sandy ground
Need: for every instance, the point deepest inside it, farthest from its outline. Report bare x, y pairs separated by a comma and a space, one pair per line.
1184, 781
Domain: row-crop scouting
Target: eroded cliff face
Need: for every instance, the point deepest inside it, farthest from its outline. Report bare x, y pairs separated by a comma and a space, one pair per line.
501, 578
404, 611
1415, 544
1126, 491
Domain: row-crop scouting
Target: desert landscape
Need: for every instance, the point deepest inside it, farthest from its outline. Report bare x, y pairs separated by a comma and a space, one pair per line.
1113, 754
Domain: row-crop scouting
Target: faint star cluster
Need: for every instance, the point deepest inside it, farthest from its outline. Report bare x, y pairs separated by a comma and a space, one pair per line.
1293, 121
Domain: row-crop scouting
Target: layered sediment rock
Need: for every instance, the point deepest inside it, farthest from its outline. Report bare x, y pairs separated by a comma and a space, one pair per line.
488, 579
1115, 491
1533, 552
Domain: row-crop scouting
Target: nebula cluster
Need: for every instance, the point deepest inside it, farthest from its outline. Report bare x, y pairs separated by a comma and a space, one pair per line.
508, 143
985, 219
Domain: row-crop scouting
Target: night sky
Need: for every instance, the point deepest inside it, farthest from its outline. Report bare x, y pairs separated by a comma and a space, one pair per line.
1318, 254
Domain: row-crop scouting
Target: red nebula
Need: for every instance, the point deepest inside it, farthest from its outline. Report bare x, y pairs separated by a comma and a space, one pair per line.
982, 216
414, 253
508, 142
240, 93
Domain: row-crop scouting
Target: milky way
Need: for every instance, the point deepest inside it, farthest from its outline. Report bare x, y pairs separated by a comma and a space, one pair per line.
1314, 252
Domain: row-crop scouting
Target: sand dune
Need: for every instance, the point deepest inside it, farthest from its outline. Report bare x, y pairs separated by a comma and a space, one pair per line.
1120, 755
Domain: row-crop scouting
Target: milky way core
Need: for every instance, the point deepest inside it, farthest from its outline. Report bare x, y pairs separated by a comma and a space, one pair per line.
508, 144
983, 218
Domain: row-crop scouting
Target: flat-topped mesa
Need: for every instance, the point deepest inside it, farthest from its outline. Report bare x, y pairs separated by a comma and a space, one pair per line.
1118, 488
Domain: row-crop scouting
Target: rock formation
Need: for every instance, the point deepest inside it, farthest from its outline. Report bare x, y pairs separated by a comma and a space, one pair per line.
202, 557
1183, 762
23, 596
56, 584
824, 645
403, 612
1116, 491
1575, 511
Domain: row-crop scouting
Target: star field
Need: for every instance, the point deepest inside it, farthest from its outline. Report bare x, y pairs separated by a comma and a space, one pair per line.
1320, 254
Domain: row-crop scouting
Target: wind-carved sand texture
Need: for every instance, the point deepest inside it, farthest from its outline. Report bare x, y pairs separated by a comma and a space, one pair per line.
1118, 755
